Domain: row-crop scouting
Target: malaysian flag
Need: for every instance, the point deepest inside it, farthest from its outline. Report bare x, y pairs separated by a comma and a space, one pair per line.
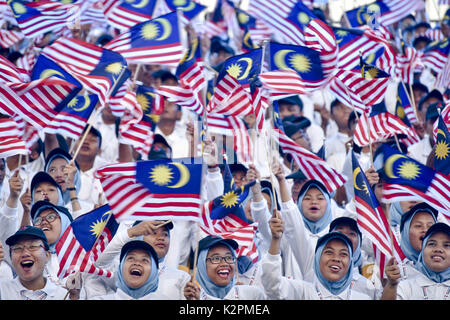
216, 25
386, 11
123, 14
224, 216
257, 29
407, 179
407, 63
190, 8
153, 190
436, 55
183, 96
72, 119
8, 38
101, 71
157, 41
232, 92
10, 74
190, 69
403, 108
293, 69
442, 149
311, 165
138, 124
11, 142
360, 88
380, 125
83, 241
371, 218
39, 17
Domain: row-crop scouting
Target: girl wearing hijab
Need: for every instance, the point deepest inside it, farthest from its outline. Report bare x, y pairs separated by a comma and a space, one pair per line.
413, 226
332, 267
216, 273
137, 277
433, 263
67, 174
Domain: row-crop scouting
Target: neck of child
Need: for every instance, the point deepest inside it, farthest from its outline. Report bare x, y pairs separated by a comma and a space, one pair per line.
167, 126
35, 284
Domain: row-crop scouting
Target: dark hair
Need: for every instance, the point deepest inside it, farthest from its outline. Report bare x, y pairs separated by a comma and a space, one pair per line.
96, 133
421, 39
335, 103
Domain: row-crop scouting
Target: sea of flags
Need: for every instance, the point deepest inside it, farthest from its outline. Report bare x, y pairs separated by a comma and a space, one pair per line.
282, 48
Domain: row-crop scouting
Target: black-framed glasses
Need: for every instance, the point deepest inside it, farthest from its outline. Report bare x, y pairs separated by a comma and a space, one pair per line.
18, 248
49, 218
218, 259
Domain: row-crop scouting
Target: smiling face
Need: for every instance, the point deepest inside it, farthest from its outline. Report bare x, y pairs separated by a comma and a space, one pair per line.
136, 268
314, 204
29, 264
335, 260
222, 273
51, 229
159, 240
437, 252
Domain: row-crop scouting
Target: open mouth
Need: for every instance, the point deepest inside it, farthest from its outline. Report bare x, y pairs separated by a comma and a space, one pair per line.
136, 272
335, 268
27, 264
223, 273
437, 258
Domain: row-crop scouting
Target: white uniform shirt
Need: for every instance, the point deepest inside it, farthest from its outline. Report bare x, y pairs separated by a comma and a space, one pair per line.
421, 150
177, 140
110, 143
90, 186
277, 287
422, 288
11, 290
120, 295
238, 292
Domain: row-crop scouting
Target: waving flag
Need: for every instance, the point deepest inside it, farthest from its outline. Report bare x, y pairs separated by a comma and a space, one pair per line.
407, 179
403, 108
153, 190
11, 142
215, 24
101, 71
190, 8
232, 92
183, 96
190, 68
39, 17
9, 38
311, 165
72, 119
442, 150
436, 55
294, 69
124, 14
82, 242
388, 11
407, 63
371, 218
156, 41
380, 125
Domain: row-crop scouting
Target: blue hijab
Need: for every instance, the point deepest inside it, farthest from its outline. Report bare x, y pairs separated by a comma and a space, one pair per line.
65, 223
149, 286
76, 181
316, 226
411, 253
335, 287
438, 277
205, 282
395, 213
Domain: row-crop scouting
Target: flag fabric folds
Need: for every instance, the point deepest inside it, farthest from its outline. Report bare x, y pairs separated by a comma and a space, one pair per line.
153, 190
155, 41
11, 142
83, 241
123, 14
442, 150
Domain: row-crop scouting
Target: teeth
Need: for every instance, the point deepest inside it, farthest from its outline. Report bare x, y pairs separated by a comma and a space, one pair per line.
334, 268
27, 264
135, 272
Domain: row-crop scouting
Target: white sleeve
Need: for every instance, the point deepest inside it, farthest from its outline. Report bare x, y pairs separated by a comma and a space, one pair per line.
213, 184
277, 287
260, 213
112, 251
9, 224
296, 235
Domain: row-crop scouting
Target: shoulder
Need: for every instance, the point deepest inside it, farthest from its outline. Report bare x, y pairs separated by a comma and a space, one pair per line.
247, 292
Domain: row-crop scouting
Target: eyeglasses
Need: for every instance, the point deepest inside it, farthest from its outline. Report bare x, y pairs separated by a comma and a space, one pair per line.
218, 259
49, 218
18, 248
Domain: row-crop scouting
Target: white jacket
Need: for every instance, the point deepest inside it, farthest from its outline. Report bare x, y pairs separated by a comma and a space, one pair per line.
277, 287
120, 295
422, 288
238, 292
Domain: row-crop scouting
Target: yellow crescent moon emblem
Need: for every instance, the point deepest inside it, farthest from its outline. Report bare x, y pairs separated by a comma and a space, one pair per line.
360, 17
280, 59
184, 175
167, 28
107, 213
142, 4
388, 166
47, 73
444, 43
370, 58
190, 7
246, 40
247, 70
87, 103
18, 8
440, 131
193, 49
355, 175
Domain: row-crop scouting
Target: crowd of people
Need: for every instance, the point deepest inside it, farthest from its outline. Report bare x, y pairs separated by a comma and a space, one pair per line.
310, 245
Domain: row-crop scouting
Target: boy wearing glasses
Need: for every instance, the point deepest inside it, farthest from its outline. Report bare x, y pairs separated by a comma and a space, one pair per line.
29, 252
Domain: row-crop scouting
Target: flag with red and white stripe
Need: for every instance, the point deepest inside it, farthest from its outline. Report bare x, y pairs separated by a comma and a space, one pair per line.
11, 142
